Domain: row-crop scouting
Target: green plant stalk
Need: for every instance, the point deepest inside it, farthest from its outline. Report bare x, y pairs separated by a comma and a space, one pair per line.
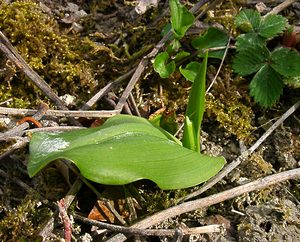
195, 109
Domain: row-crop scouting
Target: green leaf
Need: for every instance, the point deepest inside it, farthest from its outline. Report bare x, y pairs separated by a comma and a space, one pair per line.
189, 140
213, 37
249, 40
181, 55
250, 60
161, 66
248, 20
123, 150
286, 62
190, 71
181, 18
266, 86
196, 107
272, 25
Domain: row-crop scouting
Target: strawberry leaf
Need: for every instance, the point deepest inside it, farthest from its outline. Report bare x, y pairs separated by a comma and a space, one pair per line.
266, 86
250, 60
286, 62
272, 25
248, 20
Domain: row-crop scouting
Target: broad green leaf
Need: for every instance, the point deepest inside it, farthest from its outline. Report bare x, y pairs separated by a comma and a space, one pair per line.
123, 150
161, 65
196, 105
250, 60
212, 38
248, 20
181, 18
266, 86
286, 62
272, 25
190, 71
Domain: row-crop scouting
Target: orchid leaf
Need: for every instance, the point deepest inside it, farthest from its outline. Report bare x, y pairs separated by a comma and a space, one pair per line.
123, 150
196, 107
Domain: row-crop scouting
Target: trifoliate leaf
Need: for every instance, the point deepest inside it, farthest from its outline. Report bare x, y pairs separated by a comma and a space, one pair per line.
286, 62
245, 41
272, 25
266, 86
213, 37
190, 71
181, 18
161, 66
247, 20
250, 60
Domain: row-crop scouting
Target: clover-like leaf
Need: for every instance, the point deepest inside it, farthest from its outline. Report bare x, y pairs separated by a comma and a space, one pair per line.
213, 37
250, 60
266, 86
181, 18
272, 25
286, 62
161, 65
123, 150
190, 71
248, 20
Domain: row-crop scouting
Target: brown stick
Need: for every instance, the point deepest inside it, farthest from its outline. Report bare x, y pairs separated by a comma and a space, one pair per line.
61, 113
215, 228
211, 200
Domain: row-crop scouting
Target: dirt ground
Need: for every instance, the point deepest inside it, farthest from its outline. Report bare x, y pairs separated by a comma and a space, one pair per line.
101, 41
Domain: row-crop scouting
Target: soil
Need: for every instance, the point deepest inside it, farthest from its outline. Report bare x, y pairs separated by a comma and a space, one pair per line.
123, 37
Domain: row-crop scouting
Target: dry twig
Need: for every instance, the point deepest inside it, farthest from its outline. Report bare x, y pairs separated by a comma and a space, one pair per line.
215, 228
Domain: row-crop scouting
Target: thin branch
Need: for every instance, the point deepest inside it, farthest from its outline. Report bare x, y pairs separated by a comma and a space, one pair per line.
281, 6
60, 113
215, 228
105, 90
243, 156
220, 67
210, 200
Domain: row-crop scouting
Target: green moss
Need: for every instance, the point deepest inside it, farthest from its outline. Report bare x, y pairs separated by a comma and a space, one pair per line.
227, 104
54, 55
22, 222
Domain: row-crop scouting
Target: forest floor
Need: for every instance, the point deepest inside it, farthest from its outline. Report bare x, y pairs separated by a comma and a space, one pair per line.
82, 48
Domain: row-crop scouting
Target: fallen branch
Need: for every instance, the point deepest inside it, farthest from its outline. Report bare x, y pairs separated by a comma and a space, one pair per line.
215, 228
60, 113
210, 200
